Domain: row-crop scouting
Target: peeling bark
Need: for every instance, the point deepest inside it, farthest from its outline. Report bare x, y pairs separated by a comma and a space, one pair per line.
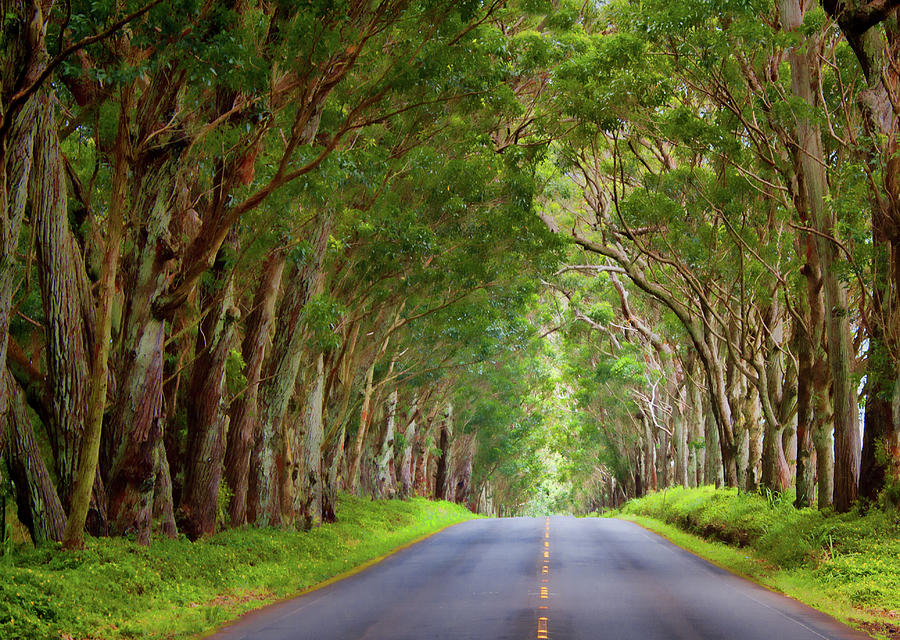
281, 374
39, 507
207, 418
406, 487
441, 484
244, 425
385, 485
310, 487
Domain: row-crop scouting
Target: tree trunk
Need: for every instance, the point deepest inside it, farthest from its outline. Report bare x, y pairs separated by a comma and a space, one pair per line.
332, 482
310, 490
278, 386
695, 424
812, 367
682, 457
244, 425
39, 507
386, 486
136, 421
89, 451
163, 505
365, 419
207, 420
462, 473
754, 439
441, 489
805, 66
406, 459
877, 56
63, 282
714, 470
27, 60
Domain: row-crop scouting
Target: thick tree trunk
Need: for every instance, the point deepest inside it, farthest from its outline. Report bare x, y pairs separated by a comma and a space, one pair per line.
877, 55
805, 469
727, 436
714, 470
332, 482
824, 444
163, 505
68, 308
89, 451
462, 472
207, 420
278, 386
406, 459
244, 425
805, 66
386, 485
695, 430
682, 457
27, 58
441, 488
365, 418
754, 439
136, 421
310, 490
63, 285
39, 507
776, 387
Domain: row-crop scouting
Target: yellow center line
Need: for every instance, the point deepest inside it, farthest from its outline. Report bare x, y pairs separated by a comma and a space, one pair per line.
543, 623
543, 629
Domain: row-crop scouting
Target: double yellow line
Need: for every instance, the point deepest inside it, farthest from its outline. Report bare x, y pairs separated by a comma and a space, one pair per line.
543, 623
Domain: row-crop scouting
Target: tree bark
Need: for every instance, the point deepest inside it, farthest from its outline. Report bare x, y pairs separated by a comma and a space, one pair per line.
365, 419
39, 507
441, 488
207, 419
804, 85
281, 374
714, 471
406, 488
384, 467
310, 490
877, 55
136, 422
89, 451
68, 308
27, 61
244, 426
805, 470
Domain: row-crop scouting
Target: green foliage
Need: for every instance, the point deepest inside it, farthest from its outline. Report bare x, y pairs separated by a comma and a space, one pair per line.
854, 557
235, 380
321, 316
118, 589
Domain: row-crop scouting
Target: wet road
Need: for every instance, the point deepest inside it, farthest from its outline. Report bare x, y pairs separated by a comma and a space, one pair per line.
560, 578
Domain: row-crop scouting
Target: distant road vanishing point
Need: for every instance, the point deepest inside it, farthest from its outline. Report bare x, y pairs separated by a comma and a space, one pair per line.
540, 578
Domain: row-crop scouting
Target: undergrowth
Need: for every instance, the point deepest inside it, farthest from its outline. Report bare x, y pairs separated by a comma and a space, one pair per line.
115, 588
850, 561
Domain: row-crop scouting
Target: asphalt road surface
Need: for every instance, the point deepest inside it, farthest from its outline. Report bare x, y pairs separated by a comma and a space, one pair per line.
559, 578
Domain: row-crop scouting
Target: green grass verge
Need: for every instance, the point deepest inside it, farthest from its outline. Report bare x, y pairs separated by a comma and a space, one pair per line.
847, 565
175, 588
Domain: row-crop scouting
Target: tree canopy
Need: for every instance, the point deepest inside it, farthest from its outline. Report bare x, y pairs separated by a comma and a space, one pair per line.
519, 254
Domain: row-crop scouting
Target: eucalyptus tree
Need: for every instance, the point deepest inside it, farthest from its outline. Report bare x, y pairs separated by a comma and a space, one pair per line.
871, 30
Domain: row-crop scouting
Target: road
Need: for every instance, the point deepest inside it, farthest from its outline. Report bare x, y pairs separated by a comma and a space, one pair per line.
560, 578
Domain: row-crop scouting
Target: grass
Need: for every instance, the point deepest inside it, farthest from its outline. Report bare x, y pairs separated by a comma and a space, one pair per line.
847, 565
174, 589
